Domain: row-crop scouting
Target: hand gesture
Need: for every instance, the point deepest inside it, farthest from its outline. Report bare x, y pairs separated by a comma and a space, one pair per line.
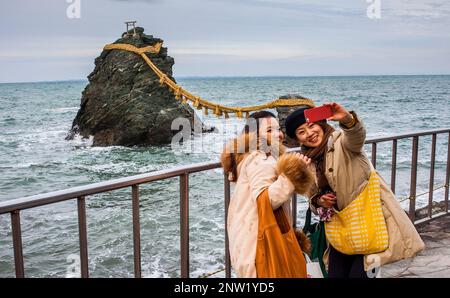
304, 158
339, 113
327, 200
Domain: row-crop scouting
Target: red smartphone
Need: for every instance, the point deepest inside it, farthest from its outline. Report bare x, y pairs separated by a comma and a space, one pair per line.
319, 113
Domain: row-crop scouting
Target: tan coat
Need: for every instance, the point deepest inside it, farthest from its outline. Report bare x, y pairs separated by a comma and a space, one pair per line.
348, 170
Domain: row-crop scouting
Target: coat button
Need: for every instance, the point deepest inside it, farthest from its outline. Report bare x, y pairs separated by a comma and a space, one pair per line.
330, 170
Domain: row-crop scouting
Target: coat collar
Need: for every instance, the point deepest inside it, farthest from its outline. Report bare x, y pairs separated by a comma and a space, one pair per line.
238, 149
332, 140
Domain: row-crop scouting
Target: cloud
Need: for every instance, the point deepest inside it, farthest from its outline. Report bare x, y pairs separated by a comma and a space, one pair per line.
211, 37
425, 9
244, 51
62, 47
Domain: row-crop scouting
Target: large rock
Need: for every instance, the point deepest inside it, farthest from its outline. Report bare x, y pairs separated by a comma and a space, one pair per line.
124, 104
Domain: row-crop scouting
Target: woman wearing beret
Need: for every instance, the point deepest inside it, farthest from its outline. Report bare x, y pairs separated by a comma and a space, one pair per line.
342, 172
256, 163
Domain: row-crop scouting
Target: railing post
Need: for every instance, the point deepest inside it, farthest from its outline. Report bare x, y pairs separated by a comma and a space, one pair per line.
17, 244
394, 165
412, 193
374, 155
447, 175
184, 225
136, 231
431, 184
82, 235
227, 244
294, 210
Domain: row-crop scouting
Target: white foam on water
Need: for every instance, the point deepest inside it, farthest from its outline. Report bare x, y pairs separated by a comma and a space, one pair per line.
64, 110
154, 269
80, 140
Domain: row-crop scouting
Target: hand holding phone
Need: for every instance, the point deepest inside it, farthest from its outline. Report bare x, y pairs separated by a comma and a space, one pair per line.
317, 114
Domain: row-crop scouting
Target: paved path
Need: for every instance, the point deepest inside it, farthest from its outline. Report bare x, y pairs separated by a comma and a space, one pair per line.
434, 260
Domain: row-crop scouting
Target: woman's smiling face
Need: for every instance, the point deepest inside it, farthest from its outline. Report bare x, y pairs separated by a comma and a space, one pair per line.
309, 134
270, 128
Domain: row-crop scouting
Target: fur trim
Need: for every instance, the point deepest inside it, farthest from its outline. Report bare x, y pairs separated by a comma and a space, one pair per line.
303, 241
238, 148
297, 172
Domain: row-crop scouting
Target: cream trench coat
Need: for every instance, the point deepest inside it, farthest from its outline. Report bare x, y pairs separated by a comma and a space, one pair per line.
256, 172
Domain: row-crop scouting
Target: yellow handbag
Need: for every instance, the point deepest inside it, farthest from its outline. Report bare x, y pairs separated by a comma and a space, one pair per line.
360, 228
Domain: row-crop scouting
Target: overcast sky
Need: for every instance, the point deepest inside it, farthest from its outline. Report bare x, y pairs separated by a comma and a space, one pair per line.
230, 37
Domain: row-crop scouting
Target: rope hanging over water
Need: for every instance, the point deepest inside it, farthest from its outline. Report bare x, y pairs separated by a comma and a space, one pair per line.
201, 104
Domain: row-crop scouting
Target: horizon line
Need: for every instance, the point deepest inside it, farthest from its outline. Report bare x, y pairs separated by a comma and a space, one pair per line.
242, 76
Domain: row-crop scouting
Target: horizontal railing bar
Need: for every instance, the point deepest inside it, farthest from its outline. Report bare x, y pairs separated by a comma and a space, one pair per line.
91, 189
408, 135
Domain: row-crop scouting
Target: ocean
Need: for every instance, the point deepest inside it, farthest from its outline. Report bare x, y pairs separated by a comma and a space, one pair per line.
35, 158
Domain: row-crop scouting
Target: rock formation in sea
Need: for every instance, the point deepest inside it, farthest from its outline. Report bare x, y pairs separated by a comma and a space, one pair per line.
124, 103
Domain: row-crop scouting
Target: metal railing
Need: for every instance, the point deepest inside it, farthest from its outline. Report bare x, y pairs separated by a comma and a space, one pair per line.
414, 161
14, 207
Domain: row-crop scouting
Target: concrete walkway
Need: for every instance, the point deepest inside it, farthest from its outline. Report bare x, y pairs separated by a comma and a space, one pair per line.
434, 260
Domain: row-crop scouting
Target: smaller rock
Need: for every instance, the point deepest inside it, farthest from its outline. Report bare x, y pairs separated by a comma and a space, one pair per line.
436, 208
283, 112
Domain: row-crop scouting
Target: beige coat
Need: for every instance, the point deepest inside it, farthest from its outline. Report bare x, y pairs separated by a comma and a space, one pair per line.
348, 170
256, 172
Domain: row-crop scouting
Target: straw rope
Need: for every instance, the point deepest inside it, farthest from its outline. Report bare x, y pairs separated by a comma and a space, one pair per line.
201, 104
206, 275
422, 194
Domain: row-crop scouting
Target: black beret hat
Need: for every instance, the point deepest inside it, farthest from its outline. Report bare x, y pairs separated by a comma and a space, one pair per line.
294, 120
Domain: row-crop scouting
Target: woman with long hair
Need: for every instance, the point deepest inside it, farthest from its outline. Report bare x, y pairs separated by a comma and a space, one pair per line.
255, 162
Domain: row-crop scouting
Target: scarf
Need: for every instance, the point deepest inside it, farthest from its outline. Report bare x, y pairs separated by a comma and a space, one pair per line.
317, 155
